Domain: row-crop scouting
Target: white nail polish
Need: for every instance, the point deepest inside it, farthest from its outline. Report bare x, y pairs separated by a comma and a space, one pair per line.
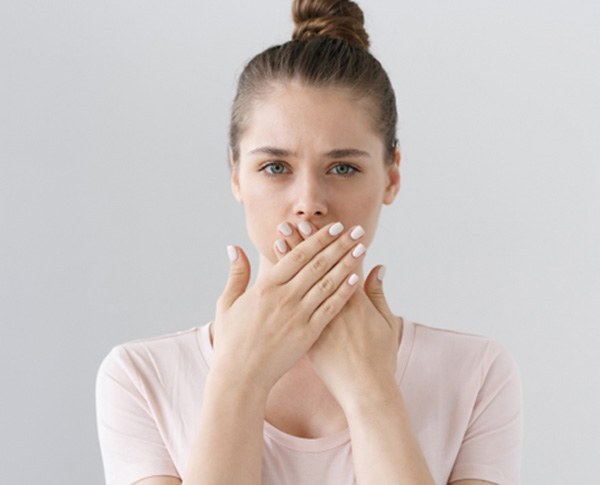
336, 229
305, 228
357, 232
353, 279
232, 253
358, 250
381, 273
285, 229
281, 246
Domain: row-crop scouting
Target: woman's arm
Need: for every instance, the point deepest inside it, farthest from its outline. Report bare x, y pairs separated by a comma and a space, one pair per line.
229, 441
384, 446
259, 334
355, 356
229, 444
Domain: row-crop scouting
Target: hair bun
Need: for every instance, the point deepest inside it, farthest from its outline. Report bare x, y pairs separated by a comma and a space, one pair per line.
341, 19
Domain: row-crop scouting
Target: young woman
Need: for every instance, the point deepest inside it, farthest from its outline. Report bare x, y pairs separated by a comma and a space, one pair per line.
307, 377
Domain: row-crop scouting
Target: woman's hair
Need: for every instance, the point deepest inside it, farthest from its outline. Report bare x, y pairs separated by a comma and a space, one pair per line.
329, 48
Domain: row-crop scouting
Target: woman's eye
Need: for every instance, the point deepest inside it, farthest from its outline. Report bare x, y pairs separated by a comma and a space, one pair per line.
348, 170
274, 169
277, 166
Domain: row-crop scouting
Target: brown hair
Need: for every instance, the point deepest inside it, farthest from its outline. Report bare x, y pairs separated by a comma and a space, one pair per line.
329, 47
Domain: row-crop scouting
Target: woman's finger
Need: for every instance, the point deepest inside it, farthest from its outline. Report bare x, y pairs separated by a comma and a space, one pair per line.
374, 290
349, 263
239, 276
306, 229
291, 236
331, 306
290, 233
298, 257
318, 272
280, 248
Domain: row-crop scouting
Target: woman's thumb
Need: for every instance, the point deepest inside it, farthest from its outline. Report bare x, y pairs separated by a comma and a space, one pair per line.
374, 290
239, 276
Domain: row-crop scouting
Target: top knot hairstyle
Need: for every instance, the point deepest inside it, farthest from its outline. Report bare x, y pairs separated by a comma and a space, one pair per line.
329, 48
337, 19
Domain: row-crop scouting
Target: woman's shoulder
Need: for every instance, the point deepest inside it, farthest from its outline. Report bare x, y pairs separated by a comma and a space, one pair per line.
453, 339
457, 350
155, 352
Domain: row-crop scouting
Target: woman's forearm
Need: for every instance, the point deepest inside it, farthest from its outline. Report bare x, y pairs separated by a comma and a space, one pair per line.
384, 446
228, 447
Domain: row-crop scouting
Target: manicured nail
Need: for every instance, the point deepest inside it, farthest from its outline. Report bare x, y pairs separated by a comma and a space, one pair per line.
232, 253
285, 229
281, 246
353, 279
381, 273
358, 250
305, 228
357, 232
336, 229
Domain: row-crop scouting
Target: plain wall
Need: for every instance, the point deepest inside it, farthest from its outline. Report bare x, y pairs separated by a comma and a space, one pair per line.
115, 207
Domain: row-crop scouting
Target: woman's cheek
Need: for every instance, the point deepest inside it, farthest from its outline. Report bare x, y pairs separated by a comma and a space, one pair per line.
366, 213
262, 229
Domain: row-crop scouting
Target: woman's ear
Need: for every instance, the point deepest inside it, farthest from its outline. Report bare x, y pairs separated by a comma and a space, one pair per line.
393, 180
235, 177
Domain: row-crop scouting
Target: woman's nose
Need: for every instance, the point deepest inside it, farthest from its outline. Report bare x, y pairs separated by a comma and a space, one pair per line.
310, 198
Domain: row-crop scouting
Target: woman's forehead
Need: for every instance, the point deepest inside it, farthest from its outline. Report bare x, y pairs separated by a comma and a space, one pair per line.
297, 114
299, 95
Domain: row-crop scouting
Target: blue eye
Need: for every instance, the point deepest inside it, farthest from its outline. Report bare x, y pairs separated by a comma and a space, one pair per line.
271, 165
273, 169
348, 171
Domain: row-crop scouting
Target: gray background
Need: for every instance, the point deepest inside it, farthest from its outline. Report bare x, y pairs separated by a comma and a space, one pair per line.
115, 204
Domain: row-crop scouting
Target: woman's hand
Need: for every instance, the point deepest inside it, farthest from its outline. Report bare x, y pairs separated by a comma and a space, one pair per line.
356, 353
259, 333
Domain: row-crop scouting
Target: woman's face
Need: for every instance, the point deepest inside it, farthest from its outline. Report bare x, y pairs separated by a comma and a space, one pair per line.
311, 154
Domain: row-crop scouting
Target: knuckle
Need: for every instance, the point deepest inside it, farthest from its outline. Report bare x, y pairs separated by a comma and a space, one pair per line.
350, 261
298, 256
318, 264
323, 239
326, 285
237, 270
328, 309
288, 300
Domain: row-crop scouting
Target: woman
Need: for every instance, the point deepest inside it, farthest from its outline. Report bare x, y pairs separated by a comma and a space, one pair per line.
307, 377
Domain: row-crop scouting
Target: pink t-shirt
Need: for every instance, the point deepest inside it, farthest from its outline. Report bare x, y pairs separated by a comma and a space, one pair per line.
462, 391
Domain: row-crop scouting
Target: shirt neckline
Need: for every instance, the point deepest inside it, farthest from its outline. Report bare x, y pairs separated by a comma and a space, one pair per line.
312, 445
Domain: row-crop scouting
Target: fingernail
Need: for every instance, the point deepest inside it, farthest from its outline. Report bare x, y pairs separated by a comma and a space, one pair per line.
336, 229
381, 273
357, 232
305, 228
232, 253
358, 250
285, 229
281, 247
353, 279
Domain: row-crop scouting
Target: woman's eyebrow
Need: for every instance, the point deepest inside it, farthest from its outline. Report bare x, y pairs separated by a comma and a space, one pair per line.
336, 153
347, 153
272, 151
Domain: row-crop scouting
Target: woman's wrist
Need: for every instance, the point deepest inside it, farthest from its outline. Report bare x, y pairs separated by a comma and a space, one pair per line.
229, 442
384, 444
237, 384
370, 396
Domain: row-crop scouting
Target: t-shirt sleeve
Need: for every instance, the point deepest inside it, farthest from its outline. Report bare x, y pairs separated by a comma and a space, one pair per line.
491, 446
130, 441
